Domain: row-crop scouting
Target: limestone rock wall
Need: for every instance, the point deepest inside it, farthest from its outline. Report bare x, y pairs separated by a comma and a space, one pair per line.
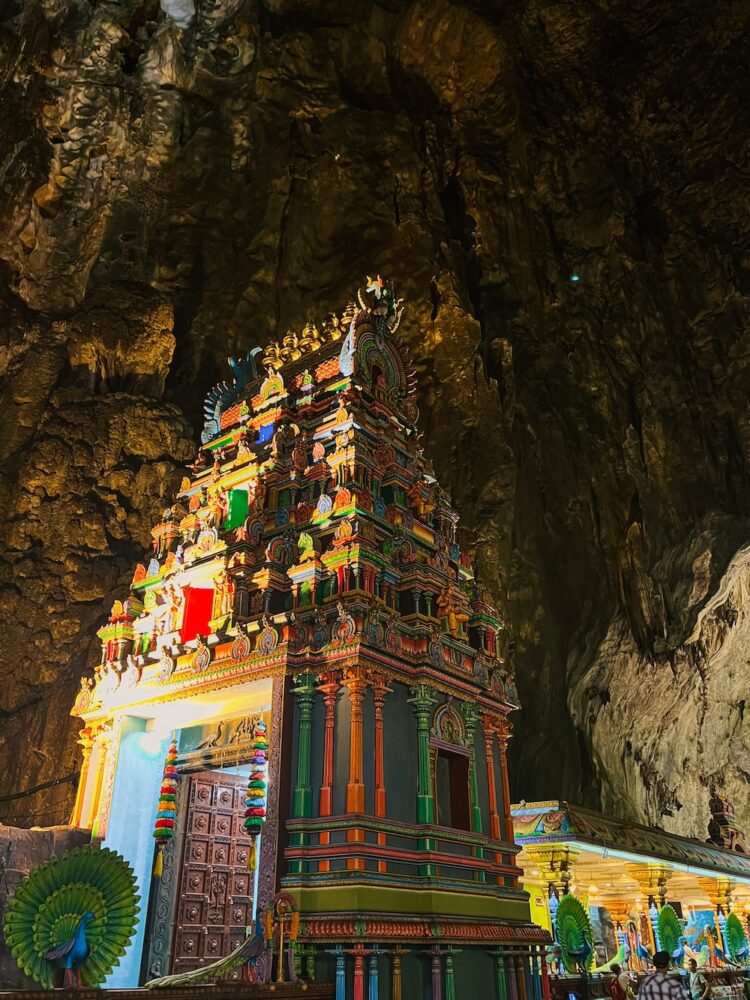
560, 188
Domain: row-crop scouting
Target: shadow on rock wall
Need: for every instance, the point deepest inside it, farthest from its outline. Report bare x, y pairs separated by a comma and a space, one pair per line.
558, 190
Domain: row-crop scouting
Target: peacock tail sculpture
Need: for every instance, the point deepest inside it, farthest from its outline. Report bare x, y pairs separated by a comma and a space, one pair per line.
734, 937
573, 934
671, 934
77, 912
245, 954
617, 959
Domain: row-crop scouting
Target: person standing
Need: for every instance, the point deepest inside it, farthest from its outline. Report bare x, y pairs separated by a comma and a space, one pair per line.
618, 988
659, 985
699, 986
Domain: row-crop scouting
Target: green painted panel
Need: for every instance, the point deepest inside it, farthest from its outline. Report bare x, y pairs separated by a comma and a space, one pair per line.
372, 899
237, 509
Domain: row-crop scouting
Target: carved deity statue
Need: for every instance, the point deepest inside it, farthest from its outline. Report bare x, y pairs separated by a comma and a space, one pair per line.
224, 591
449, 607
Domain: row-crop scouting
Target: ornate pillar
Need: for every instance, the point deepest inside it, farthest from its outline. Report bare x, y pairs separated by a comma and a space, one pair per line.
87, 743
359, 971
512, 980
520, 977
108, 746
302, 800
618, 911
450, 985
329, 687
305, 694
489, 736
536, 978
471, 717
372, 982
436, 965
544, 971
652, 880
502, 983
379, 691
396, 954
503, 738
555, 864
340, 973
423, 699
355, 788
719, 891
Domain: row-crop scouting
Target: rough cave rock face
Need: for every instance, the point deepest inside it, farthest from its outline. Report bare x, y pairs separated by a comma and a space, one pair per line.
558, 188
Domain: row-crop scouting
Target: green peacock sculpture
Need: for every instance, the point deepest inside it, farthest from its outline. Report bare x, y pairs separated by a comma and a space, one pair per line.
573, 934
735, 939
77, 912
671, 934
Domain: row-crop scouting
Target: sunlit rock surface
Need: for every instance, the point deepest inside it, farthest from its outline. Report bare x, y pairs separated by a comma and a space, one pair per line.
561, 191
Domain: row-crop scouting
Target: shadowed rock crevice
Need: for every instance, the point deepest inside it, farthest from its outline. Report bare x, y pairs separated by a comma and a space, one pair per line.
558, 189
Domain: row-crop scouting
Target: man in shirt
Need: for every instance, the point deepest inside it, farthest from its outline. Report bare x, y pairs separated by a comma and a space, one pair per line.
659, 985
699, 988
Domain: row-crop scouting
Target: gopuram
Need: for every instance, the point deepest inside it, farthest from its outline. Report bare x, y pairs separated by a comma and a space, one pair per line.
302, 697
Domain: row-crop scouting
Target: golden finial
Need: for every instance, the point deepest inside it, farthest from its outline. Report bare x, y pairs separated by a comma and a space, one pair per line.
290, 350
331, 329
310, 339
272, 356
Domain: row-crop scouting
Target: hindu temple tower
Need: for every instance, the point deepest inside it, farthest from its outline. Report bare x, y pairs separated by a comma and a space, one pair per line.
308, 574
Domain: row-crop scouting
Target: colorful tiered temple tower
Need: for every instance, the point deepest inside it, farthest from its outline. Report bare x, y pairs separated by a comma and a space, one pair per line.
308, 574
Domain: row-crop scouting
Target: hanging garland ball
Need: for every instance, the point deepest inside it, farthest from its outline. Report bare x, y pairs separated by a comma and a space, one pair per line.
166, 811
257, 787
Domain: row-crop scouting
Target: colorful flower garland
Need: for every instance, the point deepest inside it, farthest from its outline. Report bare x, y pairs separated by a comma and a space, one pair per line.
165, 817
257, 787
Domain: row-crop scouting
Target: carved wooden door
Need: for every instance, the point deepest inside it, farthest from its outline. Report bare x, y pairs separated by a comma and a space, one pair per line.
215, 904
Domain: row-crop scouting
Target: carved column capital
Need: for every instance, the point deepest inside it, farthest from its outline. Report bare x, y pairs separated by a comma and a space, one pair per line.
555, 865
652, 880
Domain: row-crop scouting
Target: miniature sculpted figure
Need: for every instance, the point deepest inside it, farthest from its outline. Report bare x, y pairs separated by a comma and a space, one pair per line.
449, 608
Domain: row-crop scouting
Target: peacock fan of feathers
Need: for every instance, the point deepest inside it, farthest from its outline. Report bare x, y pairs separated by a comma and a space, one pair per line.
247, 951
573, 933
51, 901
734, 935
669, 929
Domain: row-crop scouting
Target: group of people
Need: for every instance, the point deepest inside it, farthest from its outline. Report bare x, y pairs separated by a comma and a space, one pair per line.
659, 985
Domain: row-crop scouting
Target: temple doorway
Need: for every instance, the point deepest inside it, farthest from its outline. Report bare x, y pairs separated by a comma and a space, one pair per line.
452, 789
215, 888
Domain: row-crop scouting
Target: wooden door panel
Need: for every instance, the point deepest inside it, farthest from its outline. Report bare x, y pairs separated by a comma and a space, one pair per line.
216, 888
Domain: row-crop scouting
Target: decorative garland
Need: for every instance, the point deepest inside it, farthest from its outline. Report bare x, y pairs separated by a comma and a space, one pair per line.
257, 788
165, 817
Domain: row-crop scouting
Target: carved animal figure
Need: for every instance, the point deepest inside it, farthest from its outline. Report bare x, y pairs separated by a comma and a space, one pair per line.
246, 954
76, 913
